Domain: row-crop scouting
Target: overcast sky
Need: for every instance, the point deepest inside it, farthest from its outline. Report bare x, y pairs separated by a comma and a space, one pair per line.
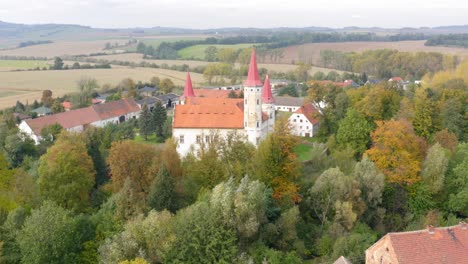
237, 13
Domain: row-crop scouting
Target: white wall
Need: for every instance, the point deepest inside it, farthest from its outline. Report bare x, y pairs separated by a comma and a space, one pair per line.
190, 137
300, 125
286, 108
24, 128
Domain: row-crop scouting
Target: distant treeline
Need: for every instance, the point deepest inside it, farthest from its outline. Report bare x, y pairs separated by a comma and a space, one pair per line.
168, 50
9, 57
284, 39
457, 40
388, 63
31, 43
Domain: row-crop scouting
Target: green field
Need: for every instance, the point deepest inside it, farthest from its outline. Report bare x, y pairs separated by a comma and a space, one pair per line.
198, 51
8, 65
156, 41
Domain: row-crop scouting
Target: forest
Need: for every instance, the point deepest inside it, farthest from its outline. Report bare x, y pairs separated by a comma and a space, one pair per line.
385, 160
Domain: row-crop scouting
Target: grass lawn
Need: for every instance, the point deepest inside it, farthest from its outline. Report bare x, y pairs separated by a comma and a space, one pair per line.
304, 149
152, 139
198, 51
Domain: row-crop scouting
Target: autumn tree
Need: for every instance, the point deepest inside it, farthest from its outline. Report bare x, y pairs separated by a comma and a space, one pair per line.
155, 81
66, 173
57, 107
277, 164
446, 139
129, 85
129, 159
423, 122
397, 151
86, 87
227, 55
46, 98
166, 85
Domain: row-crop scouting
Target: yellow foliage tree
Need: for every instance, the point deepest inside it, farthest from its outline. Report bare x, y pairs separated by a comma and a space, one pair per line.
397, 151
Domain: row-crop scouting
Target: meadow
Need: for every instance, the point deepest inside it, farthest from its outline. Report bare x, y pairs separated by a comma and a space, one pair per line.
28, 85
198, 51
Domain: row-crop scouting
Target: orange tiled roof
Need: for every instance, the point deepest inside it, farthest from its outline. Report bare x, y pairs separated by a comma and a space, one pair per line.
438, 245
310, 112
213, 93
84, 116
212, 113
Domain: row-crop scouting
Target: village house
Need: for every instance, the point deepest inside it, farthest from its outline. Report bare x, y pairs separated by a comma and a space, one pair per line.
429, 246
79, 119
200, 117
304, 121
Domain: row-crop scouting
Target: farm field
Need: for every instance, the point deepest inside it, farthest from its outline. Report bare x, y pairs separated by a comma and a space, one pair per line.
28, 85
310, 53
198, 51
137, 58
61, 48
9, 65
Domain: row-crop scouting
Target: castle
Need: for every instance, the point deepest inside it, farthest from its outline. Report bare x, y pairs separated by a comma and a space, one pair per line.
198, 119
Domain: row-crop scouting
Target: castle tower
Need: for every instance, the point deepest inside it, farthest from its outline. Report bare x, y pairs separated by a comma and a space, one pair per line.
268, 104
253, 102
188, 90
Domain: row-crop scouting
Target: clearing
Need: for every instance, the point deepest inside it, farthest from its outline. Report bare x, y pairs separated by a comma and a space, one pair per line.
28, 85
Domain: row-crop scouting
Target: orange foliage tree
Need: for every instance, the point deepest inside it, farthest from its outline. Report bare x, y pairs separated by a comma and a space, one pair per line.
397, 151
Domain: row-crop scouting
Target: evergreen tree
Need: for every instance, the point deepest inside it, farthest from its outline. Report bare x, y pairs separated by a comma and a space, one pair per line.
159, 118
145, 122
162, 191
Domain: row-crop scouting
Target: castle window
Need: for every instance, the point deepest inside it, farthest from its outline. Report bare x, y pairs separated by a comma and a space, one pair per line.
258, 124
198, 139
181, 139
307, 127
271, 115
294, 120
300, 120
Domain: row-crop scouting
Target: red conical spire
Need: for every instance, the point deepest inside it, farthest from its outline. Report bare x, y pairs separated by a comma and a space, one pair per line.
188, 89
267, 96
253, 79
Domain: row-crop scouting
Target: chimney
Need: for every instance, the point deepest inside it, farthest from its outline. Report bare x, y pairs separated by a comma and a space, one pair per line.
430, 229
463, 225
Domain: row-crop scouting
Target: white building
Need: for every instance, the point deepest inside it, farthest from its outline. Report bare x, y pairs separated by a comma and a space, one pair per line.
197, 119
288, 104
304, 121
79, 119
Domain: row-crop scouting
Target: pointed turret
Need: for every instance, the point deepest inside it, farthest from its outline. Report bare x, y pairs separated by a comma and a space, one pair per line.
253, 79
267, 96
188, 89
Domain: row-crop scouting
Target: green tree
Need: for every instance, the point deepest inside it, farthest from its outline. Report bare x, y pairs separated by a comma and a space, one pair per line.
129, 85
58, 64
227, 55
434, 168
10, 251
6, 184
57, 107
86, 87
145, 122
66, 173
423, 122
158, 118
56, 230
457, 181
209, 242
302, 72
354, 131
211, 53
155, 81
161, 195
